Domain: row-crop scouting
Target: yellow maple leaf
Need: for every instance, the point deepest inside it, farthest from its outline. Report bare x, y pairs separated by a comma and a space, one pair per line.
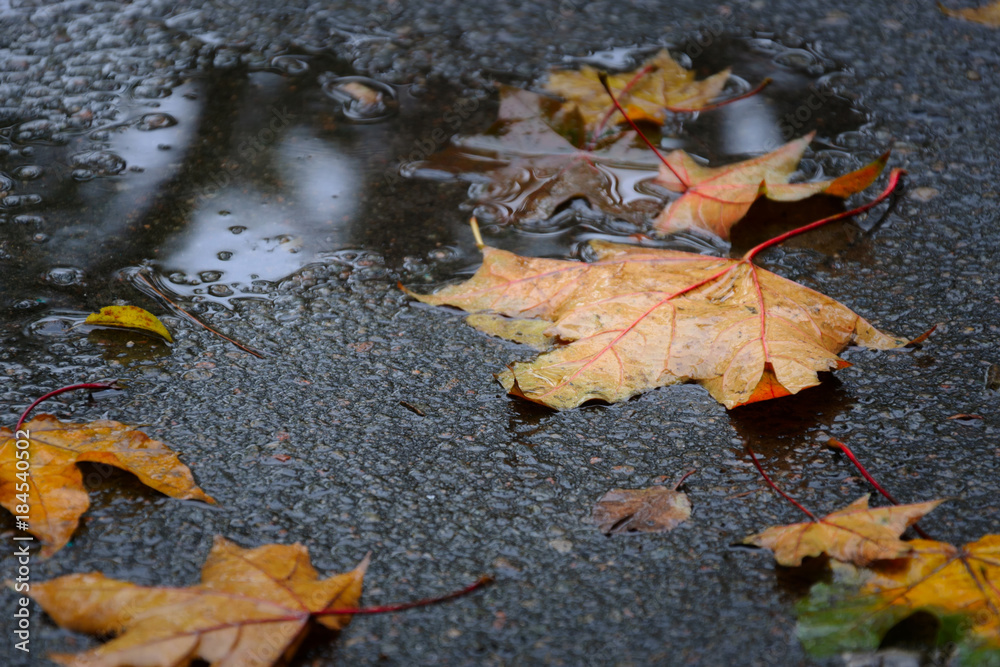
252, 608
645, 93
855, 534
48, 485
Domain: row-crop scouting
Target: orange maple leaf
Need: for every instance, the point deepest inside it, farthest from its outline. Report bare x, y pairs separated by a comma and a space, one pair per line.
48, 486
855, 534
253, 608
716, 198
637, 318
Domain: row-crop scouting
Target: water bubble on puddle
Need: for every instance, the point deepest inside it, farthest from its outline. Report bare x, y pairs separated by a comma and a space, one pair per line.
64, 276
155, 88
38, 131
26, 172
16, 201
224, 255
99, 163
237, 229
799, 59
82, 175
445, 254
291, 65
155, 121
362, 100
54, 325
220, 290
210, 276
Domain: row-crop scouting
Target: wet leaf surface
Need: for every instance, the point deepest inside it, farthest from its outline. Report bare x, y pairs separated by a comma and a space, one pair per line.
959, 586
653, 510
988, 14
856, 534
530, 163
646, 93
635, 319
129, 317
52, 486
253, 607
714, 199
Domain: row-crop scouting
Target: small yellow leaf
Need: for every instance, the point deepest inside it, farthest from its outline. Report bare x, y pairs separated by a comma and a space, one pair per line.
129, 317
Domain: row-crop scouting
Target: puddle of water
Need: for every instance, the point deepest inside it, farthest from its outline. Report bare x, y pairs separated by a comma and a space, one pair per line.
801, 98
218, 184
223, 184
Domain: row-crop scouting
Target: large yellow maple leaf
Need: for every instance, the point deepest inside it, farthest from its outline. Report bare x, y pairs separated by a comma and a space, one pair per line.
638, 318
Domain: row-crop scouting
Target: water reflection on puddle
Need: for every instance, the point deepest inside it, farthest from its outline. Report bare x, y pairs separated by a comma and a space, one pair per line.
228, 181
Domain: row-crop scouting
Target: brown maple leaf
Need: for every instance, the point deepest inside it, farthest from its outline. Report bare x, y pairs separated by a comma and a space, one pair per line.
961, 586
50, 486
253, 608
528, 164
653, 510
716, 198
855, 534
637, 318
647, 93
988, 14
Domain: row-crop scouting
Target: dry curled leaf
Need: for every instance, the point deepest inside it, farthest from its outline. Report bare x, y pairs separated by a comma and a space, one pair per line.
638, 318
987, 14
646, 93
716, 198
252, 608
528, 164
653, 510
51, 486
129, 317
960, 586
855, 534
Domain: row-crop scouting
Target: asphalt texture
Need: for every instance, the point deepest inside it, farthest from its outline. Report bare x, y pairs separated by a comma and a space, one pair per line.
375, 424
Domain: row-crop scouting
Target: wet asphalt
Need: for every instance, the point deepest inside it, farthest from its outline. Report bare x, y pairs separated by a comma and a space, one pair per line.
375, 424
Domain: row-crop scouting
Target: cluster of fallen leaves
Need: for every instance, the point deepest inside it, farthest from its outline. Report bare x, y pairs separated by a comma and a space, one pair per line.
629, 320
547, 149
880, 580
253, 607
633, 318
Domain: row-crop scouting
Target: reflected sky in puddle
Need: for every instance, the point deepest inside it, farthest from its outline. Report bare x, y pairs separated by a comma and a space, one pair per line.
262, 220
